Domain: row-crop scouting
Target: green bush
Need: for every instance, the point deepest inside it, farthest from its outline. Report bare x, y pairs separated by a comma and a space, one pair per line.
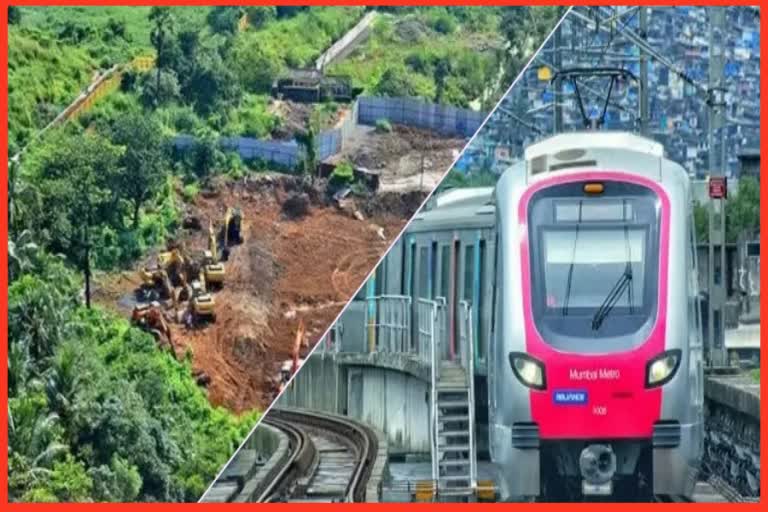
189, 192
184, 119
343, 174
41, 72
443, 23
396, 81
383, 126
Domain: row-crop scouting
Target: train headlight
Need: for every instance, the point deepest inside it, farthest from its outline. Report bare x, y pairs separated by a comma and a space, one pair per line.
528, 370
662, 368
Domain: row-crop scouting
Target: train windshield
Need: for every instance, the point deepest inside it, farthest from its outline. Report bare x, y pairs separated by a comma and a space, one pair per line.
594, 263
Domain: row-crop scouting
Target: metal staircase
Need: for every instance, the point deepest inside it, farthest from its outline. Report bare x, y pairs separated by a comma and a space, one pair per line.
454, 457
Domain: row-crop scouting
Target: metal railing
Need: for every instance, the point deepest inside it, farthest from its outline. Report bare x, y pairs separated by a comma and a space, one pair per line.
388, 320
331, 341
442, 327
467, 351
426, 315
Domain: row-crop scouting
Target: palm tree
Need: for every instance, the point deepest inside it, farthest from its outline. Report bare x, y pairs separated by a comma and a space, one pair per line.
21, 254
33, 439
63, 379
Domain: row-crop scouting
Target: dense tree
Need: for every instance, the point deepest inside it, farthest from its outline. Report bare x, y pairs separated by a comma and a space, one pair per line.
224, 19
258, 16
163, 27
76, 173
255, 65
206, 155
96, 412
115, 29
14, 15
159, 87
525, 28
212, 86
742, 213
286, 11
143, 161
701, 222
396, 81
307, 139
442, 71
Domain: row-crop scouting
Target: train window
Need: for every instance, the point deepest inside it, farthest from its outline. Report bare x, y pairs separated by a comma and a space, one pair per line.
380, 278
445, 270
594, 280
423, 291
604, 211
433, 269
411, 248
597, 256
469, 272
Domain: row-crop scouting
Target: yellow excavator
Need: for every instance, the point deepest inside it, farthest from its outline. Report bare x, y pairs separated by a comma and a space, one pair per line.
213, 269
201, 305
173, 263
156, 279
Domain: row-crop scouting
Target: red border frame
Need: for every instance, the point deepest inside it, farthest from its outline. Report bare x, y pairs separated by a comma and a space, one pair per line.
164, 507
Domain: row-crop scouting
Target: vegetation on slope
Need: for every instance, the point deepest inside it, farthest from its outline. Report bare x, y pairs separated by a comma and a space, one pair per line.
44, 76
96, 411
443, 54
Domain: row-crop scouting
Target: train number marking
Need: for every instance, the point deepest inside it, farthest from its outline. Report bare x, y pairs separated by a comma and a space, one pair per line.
600, 410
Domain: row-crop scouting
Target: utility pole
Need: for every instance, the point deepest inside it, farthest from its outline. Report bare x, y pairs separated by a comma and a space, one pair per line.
717, 270
644, 115
558, 97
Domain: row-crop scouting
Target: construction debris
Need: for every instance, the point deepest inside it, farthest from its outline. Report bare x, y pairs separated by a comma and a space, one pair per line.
296, 206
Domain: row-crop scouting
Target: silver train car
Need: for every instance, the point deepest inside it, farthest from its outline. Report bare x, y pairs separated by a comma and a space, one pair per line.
593, 424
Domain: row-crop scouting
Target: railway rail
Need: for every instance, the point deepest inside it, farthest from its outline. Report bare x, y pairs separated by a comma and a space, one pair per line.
330, 458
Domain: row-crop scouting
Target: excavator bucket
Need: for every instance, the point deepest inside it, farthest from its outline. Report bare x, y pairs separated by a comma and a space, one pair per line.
231, 231
235, 232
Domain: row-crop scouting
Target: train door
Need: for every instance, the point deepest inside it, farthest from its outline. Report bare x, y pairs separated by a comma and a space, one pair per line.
482, 329
409, 264
421, 263
443, 279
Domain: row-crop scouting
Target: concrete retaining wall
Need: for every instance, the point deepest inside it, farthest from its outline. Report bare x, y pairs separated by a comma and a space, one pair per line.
347, 43
388, 393
739, 393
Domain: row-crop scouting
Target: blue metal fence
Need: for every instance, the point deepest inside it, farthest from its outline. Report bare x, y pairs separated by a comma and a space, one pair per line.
450, 121
444, 119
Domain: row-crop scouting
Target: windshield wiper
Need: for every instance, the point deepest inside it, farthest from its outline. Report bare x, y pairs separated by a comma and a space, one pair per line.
570, 268
624, 283
612, 298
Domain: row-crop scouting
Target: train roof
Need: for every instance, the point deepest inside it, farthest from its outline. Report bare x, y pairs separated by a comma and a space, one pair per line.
456, 209
586, 140
624, 151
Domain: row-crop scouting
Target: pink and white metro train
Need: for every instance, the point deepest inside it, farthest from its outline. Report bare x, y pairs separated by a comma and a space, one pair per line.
595, 355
